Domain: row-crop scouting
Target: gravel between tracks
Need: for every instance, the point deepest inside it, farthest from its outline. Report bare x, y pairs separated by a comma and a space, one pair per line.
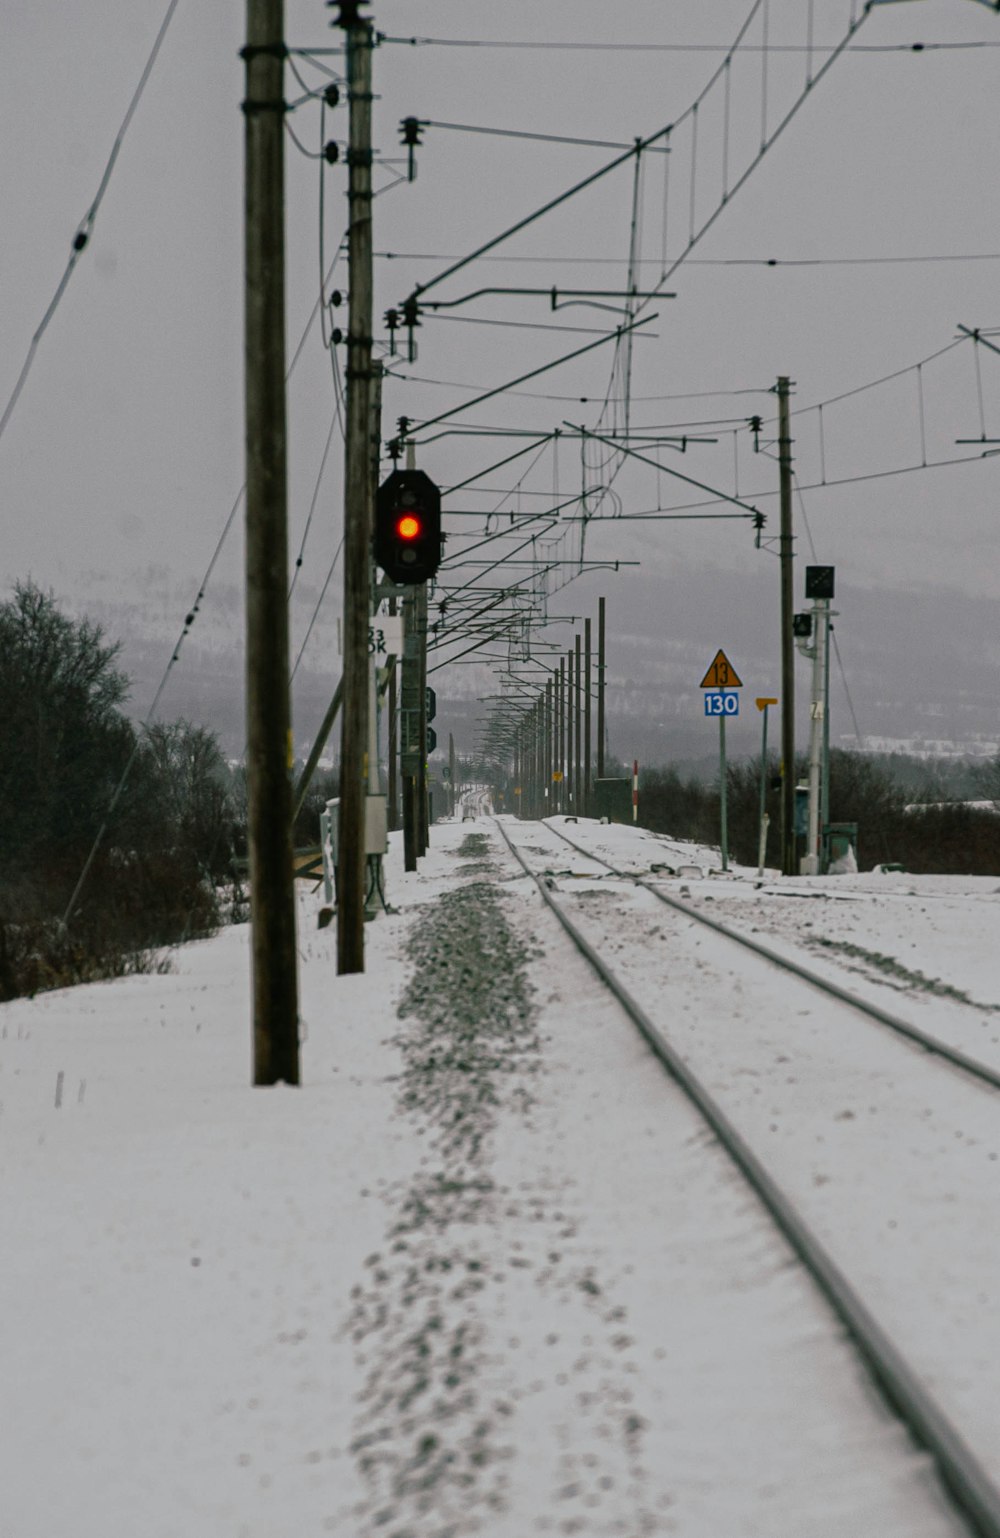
430, 1448
453, 1399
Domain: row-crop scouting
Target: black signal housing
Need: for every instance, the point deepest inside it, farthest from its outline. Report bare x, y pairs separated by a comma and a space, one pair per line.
408, 527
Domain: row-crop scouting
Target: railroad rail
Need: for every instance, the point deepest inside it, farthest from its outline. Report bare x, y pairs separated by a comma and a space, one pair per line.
971, 1488
970, 1065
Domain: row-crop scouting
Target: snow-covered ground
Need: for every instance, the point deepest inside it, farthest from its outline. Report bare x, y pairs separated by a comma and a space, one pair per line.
485, 1272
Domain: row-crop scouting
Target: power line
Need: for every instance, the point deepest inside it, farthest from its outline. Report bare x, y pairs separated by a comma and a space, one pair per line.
522, 133
584, 400
318, 606
872, 384
832, 628
335, 423
847, 692
697, 231
647, 47
445, 416
519, 325
189, 620
712, 261
640, 144
86, 225
844, 480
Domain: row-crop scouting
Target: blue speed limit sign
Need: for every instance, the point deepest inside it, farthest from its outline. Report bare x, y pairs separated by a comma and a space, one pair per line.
722, 702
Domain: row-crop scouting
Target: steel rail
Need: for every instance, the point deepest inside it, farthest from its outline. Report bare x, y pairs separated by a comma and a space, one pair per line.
971, 1488
970, 1065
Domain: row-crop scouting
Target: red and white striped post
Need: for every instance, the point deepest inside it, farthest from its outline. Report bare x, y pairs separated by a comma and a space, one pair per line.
635, 790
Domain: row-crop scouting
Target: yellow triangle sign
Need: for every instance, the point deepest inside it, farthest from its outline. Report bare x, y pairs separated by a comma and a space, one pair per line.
722, 674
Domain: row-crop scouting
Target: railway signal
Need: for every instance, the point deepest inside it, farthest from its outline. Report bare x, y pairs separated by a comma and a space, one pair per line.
408, 527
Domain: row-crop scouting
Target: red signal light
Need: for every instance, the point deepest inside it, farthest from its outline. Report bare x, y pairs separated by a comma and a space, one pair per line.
407, 534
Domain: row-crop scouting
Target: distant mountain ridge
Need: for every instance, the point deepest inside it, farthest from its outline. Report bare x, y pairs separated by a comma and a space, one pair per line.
922, 670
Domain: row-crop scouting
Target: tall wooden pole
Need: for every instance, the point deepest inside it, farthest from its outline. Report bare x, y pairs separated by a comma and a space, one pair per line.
786, 554
272, 893
600, 688
570, 775
588, 793
549, 755
579, 792
358, 495
537, 797
560, 749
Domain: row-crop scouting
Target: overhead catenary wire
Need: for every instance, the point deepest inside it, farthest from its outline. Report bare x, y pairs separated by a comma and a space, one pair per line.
840, 661
536, 46
767, 140
621, 367
768, 136
651, 139
518, 325
336, 422
86, 226
710, 261
446, 416
764, 493
316, 608
825, 481
175, 653
522, 133
697, 231
873, 384
583, 400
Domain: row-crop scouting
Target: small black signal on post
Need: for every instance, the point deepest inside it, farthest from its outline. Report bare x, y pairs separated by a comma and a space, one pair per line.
819, 581
408, 527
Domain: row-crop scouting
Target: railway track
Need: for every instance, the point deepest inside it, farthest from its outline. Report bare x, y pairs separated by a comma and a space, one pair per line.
975, 1067
924, 1410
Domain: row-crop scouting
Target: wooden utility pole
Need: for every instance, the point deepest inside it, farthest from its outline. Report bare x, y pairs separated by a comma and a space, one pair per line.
538, 797
272, 890
549, 753
536, 808
786, 553
588, 790
570, 778
560, 737
600, 688
358, 499
580, 794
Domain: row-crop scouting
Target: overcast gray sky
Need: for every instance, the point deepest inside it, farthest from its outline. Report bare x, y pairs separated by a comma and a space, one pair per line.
124, 455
